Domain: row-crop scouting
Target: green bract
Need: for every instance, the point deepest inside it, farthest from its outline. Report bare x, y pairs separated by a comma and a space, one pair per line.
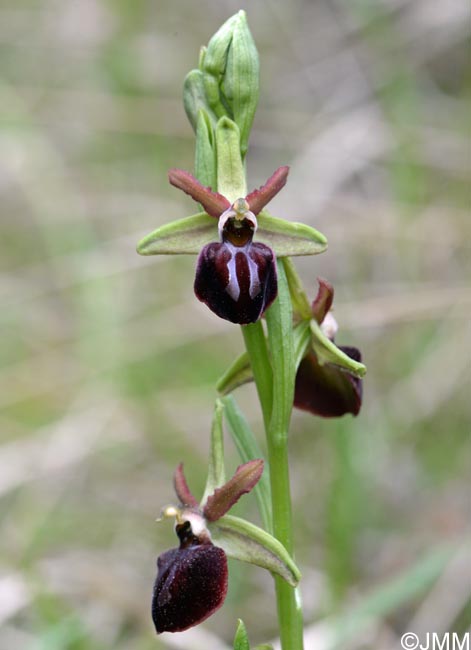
241, 639
216, 471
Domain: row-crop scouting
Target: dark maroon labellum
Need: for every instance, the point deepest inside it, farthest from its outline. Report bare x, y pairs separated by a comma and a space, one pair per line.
327, 390
191, 585
236, 278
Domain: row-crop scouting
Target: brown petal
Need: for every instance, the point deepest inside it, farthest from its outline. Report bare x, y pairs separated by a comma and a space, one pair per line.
213, 203
243, 481
182, 490
323, 301
257, 199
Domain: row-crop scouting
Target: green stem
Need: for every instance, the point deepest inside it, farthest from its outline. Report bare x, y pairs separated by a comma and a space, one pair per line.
274, 378
256, 345
289, 606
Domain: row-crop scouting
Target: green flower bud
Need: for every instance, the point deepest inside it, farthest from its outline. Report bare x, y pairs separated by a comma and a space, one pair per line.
231, 75
202, 56
241, 79
205, 153
214, 61
194, 98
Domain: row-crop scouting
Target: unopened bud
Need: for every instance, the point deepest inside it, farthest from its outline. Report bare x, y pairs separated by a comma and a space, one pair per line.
241, 79
214, 61
205, 153
231, 75
194, 98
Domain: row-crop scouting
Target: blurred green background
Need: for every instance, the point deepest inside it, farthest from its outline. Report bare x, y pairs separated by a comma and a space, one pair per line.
108, 362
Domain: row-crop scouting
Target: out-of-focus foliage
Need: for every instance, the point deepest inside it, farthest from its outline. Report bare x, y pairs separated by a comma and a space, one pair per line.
108, 362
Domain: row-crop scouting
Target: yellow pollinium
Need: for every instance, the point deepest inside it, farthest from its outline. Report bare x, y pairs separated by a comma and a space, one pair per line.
240, 207
171, 512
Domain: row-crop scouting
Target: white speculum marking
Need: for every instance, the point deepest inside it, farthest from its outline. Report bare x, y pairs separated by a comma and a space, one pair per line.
254, 287
233, 288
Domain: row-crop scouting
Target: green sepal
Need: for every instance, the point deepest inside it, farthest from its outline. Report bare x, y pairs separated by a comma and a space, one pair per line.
194, 98
231, 181
214, 62
327, 352
264, 646
216, 470
241, 639
248, 448
183, 236
249, 543
240, 83
190, 234
289, 237
205, 152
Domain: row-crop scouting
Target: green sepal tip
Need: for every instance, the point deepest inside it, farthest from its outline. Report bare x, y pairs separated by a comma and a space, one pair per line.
327, 352
244, 541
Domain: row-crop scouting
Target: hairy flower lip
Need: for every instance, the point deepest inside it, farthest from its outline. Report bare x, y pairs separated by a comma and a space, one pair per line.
327, 390
191, 585
236, 283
